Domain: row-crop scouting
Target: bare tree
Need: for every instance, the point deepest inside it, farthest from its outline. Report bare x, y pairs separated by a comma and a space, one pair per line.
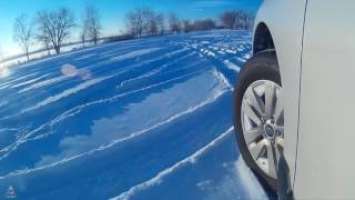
174, 23
161, 23
145, 21
237, 20
83, 37
23, 34
203, 25
55, 26
229, 19
84, 31
154, 22
91, 24
44, 39
135, 22
187, 26
248, 21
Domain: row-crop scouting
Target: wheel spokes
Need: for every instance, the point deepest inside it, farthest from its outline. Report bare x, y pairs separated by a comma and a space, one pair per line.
253, 134
250, 113
256, 101
257, 148
269, 99
271, 158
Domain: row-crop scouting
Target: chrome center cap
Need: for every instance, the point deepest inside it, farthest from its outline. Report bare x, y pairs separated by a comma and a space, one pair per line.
269, 129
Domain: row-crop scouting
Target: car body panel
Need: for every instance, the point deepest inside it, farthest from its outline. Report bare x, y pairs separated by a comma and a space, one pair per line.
325, 165
285, 19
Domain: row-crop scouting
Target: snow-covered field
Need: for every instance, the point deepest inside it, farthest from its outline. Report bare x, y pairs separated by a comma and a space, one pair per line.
143, 119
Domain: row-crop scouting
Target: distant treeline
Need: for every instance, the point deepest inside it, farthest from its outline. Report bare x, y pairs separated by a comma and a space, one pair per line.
145, 21
53, 29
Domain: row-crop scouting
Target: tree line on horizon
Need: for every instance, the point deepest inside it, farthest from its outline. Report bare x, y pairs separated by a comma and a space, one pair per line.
52, 28
146, 22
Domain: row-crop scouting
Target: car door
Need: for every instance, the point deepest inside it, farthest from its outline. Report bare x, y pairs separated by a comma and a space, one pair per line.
326, 151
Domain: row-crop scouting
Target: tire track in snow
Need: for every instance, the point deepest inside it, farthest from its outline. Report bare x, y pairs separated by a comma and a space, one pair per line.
210, 54
44, 83
131, 136
76, 110
66, 93
156, 71
231, 65
8, 83
72, 112
132, 67
63, 78
156, 180
222, 78
79, 109
136, 65
135, 54
28, 82
6, 151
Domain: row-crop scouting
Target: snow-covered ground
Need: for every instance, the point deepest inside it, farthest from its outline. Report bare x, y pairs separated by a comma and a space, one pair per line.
142, 119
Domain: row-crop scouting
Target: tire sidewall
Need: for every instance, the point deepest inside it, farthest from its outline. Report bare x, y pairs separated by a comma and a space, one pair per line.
263, 66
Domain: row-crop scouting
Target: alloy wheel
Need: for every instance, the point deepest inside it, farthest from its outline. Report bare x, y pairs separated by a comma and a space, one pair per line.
262, 120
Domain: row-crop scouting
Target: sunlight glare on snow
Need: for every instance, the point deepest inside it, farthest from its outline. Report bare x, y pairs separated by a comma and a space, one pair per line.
70, 70
4, 72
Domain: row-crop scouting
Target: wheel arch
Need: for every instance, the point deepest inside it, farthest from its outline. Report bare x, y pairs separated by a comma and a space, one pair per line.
263, 39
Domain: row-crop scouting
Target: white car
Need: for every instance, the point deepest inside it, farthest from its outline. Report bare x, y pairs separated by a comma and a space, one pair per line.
295, 100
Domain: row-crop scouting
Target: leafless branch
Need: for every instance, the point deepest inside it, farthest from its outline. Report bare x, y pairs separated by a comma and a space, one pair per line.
54, 27
23, 33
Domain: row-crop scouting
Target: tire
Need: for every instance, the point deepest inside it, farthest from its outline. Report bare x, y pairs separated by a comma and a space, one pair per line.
262, 66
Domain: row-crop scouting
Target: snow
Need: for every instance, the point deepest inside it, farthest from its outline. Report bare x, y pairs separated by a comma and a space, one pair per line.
44, 83
134, 54
159, 177
67, 93
140, 119
232, 66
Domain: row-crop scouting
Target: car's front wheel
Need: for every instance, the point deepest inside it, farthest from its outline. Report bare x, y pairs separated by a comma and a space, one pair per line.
259, 118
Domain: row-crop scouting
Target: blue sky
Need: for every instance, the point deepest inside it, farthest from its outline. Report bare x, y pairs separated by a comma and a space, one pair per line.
112, 12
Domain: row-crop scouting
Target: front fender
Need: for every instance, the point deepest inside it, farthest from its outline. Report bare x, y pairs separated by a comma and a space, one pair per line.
285, 21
